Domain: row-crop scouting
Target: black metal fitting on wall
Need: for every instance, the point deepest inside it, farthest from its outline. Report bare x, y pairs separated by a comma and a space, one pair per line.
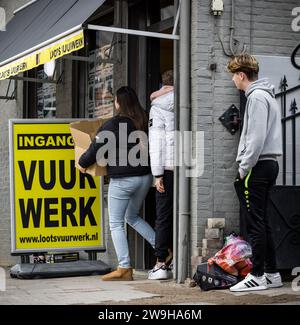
231, 119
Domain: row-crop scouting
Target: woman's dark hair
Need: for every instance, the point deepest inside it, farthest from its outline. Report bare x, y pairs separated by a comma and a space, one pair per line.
131, 108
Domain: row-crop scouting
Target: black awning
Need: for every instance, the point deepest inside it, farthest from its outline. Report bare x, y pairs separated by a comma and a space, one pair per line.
44, 25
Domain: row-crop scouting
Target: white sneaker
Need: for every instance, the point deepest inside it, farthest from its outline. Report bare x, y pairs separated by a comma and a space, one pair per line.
158, 273
251, 283
273, 280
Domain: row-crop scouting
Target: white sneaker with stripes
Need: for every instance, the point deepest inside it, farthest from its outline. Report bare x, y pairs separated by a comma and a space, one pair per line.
273, 280
251, 283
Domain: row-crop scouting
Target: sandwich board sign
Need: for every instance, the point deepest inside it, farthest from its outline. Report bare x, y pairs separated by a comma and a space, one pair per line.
54, 207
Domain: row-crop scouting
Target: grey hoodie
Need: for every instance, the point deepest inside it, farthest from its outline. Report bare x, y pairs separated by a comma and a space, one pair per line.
261, 138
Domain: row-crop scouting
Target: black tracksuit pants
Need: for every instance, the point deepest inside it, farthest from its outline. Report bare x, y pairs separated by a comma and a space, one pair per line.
164, 218
253, 193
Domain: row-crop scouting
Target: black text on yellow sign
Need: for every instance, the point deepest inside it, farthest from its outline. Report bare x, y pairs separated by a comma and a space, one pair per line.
55, 206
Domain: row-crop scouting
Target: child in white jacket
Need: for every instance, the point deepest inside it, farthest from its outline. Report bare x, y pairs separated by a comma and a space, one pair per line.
161, 147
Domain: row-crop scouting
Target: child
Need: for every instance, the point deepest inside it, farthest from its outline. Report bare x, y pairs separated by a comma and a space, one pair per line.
161, 147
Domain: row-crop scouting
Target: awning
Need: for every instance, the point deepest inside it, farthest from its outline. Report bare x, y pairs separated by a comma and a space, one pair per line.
43, 31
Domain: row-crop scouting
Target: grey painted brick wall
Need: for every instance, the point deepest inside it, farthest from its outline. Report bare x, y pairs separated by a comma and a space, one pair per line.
8, 109
265, 28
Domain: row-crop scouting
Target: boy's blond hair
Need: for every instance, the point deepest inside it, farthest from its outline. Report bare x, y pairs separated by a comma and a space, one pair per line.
244, 63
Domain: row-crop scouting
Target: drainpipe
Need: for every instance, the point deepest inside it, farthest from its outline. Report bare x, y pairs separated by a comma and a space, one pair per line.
176, 172
185, 150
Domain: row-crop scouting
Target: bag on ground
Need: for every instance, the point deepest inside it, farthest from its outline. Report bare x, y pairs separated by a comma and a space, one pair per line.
234, 256
212, 277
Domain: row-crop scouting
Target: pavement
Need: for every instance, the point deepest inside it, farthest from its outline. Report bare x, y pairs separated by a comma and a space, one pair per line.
91, 290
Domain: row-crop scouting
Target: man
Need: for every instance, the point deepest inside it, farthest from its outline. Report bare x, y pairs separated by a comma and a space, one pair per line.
161, 148
260, 145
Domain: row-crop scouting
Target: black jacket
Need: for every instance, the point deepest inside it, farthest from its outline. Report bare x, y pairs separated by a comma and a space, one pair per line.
125, 170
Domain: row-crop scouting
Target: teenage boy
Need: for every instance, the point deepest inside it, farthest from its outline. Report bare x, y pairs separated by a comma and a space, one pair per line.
260, 145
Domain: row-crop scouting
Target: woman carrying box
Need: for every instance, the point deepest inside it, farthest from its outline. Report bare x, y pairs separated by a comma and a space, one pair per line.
122, 143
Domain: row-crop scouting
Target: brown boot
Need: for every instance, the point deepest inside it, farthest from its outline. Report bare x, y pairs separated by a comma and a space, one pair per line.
120, 274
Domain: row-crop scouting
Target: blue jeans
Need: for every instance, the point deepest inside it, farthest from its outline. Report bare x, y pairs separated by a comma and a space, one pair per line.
125, 199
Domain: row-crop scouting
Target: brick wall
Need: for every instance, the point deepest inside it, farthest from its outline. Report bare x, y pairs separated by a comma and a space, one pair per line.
8, 110
265, 28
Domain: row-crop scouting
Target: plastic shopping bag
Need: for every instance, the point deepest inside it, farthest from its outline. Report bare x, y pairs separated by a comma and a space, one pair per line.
234, 256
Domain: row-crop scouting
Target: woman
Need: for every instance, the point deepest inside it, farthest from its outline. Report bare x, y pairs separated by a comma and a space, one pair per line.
129, 181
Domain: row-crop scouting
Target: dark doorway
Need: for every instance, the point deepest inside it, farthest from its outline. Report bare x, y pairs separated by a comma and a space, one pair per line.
148, 58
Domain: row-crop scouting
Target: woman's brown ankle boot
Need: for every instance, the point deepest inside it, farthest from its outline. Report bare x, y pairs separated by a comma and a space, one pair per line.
120, 274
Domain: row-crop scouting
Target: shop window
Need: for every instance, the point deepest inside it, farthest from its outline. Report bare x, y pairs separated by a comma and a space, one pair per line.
46, 97
100, 77
39, 98
101, 52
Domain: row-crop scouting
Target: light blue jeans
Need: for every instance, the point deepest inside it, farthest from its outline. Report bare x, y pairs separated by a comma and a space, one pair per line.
125, 199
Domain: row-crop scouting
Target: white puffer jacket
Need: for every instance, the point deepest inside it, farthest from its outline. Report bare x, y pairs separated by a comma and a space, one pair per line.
161, 134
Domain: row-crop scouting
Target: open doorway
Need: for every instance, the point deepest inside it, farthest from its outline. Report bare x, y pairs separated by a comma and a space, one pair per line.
142, 60
160, 61
148, 58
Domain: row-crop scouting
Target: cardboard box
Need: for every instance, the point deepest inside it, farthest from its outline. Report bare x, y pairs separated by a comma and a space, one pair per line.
83, 133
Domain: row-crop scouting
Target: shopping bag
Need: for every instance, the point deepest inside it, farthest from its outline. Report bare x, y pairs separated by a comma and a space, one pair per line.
230, 257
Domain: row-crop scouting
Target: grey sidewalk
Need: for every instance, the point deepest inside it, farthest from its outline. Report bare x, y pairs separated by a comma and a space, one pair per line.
91, 290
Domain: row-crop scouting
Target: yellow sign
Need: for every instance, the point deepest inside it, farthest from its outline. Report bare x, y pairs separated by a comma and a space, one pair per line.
48, 53
54, 205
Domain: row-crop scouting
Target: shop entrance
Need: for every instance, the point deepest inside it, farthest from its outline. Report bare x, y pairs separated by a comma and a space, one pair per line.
127, 42
148, 58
